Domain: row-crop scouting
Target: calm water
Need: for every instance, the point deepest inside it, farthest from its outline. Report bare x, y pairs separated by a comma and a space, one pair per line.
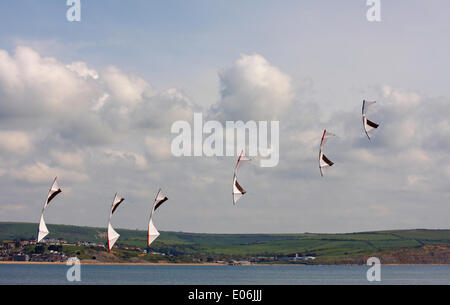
223, 275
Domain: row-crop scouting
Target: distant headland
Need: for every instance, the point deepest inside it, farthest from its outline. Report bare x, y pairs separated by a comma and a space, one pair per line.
418, 246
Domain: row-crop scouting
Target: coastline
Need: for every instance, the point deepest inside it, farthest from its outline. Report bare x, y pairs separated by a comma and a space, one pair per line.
191, 264
108, 264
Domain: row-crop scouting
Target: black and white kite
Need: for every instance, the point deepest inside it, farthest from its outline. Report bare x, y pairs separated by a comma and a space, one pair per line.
54, 190
152, 231
323, 160
113, 236
369, 126
238, 191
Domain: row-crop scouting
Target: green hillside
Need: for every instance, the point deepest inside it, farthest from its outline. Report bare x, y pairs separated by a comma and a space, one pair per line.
421, 246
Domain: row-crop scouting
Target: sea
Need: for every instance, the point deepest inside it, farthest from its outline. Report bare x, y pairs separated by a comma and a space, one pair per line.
31, 274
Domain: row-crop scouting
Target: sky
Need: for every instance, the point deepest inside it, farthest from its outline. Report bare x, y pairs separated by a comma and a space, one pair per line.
92, 102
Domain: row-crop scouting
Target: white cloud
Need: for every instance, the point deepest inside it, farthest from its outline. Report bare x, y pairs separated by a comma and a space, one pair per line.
68, 159
10, 207
380, 210
253, 89
413, 180
137, 160
110, 129
161, 109
366, 156
15, 142
159, 148
100, 102
82, 70
126, 89
73, 103
305, 143
418, 156
447, 171
41, 172
401, 97
35, 86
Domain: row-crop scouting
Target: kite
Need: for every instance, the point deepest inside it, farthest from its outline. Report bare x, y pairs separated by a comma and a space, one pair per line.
369, 126
113, 236
323, 160
152, 231
238, 191
54, 190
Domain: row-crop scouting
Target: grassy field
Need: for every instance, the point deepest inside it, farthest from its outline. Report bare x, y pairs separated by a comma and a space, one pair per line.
420, 246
